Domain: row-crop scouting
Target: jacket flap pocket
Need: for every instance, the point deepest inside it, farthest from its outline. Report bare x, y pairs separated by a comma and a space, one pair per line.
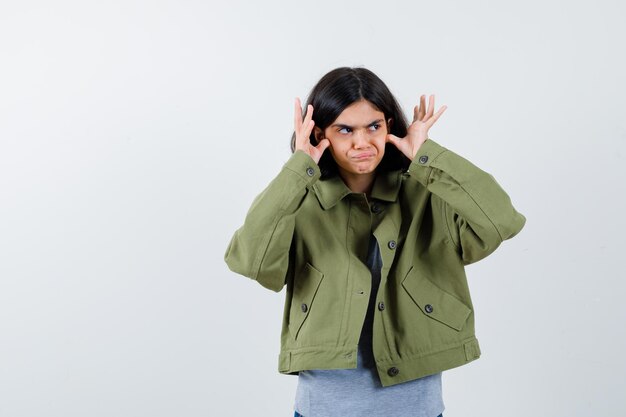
435, 302
306, 284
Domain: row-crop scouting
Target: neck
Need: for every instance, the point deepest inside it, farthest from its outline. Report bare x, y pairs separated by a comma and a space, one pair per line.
359, 183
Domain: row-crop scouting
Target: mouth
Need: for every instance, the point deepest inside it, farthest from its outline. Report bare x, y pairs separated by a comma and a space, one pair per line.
364, 155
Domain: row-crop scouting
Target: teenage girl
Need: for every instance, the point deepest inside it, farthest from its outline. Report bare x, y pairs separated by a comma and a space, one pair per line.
369, 224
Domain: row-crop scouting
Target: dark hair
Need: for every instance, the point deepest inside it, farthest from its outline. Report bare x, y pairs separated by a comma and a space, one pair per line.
340, 88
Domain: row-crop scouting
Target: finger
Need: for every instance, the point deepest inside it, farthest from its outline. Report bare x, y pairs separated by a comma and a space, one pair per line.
434, 118
306, 133
297, 114
309, 111
392, 139
308, 115
422, 111
416, 113
431, 106
324, 143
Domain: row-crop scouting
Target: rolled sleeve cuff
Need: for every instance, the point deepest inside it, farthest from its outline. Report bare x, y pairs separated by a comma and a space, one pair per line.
420, 167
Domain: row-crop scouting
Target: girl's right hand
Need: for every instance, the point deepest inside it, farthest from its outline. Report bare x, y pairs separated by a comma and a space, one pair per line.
303, 131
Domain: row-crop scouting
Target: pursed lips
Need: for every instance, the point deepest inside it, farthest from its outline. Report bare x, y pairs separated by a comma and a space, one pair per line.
364, 155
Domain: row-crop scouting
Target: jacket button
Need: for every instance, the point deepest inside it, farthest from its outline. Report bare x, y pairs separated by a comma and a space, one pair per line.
393, 371
381, 306
310, 171
423, 159
376, 208
304, 307
392, 244
428, 308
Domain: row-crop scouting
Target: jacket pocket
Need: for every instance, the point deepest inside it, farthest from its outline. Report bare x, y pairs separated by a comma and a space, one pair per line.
435, 302
305, 288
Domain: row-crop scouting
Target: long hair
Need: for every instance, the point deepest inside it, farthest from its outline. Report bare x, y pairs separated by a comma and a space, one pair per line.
339, 89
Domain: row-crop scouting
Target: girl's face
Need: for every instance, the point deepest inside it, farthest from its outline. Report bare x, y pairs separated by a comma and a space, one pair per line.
357, 138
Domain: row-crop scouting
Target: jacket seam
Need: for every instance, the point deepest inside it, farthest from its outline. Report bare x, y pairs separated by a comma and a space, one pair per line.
469, 195
265, 246
444, 348
317, 349
280, 214
300, 177
444, 210
483, 211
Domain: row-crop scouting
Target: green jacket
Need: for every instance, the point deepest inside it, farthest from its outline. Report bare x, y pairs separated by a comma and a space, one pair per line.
311, 235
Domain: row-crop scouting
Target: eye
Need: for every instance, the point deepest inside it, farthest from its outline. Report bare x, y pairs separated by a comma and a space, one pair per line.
344, 128
376, 126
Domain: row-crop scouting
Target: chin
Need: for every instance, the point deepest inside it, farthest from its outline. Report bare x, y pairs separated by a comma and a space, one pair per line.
366, 169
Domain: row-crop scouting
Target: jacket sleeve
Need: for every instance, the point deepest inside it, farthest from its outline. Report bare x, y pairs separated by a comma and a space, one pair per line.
477, 211
260, 248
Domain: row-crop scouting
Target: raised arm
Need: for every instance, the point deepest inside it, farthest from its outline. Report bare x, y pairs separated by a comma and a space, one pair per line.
259, 249
478, 212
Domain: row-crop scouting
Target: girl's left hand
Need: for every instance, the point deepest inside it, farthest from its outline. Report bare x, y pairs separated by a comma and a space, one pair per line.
417, 132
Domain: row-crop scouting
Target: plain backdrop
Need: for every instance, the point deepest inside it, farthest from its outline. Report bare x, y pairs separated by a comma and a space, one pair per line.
134, 136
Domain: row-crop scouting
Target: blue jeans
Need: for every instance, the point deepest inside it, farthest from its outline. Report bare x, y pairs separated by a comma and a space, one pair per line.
296, 414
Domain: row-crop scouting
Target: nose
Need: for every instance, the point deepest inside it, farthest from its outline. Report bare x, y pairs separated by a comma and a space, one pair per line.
360, 139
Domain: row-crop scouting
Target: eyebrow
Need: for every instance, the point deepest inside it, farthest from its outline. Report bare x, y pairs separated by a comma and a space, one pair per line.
350, 127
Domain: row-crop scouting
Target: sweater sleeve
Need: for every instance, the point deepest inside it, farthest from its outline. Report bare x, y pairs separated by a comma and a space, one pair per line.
260, 248
477, 211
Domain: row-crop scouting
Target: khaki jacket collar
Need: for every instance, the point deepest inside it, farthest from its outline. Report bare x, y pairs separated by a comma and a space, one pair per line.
330, 191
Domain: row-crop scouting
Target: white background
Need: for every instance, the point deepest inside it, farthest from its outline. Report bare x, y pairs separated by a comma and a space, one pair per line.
134, 135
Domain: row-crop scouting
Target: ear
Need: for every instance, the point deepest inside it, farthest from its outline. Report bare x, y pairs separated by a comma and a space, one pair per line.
319, 135
389, 124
